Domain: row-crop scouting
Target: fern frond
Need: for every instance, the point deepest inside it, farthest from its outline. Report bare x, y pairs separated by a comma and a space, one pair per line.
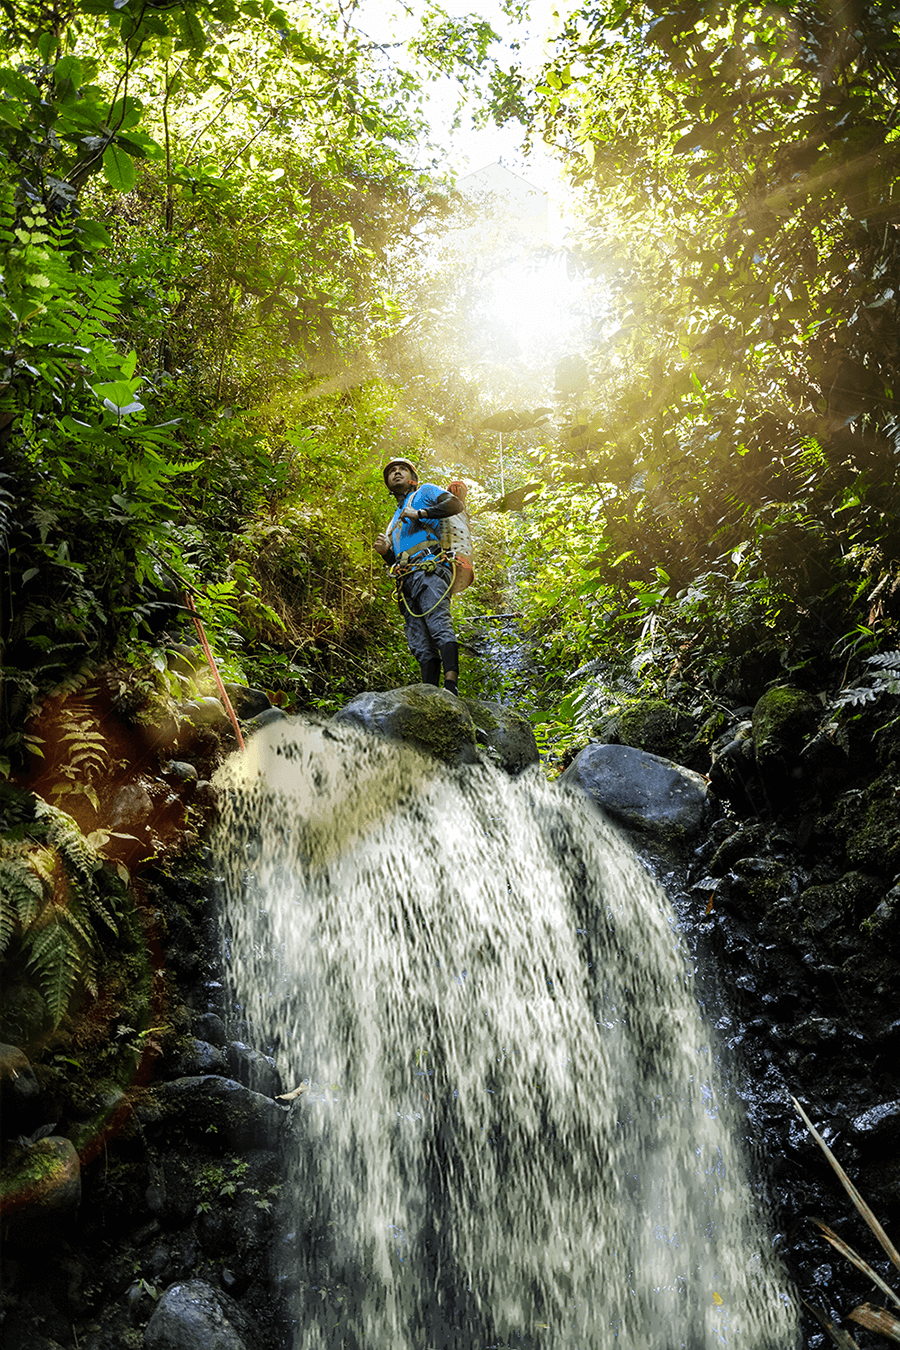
88, 975
72, 682
54, 959
858, 695
98, 907
69, 918
890, 659
63, 832
21, 894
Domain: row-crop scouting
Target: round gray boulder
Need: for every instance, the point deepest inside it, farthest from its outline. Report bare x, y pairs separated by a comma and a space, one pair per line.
644, 792
40, 1193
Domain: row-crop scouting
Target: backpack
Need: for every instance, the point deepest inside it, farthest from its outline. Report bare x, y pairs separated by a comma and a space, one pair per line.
456, 538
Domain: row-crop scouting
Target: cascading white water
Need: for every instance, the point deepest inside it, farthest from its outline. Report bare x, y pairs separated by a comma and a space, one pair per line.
512, 1133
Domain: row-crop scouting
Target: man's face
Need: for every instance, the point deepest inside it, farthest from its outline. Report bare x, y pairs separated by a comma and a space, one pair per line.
399, 478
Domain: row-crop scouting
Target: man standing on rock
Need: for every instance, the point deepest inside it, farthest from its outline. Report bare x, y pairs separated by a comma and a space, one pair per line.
411, 546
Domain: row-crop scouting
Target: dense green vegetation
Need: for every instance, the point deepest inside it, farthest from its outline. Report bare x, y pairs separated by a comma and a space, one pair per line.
738, 166
232, 279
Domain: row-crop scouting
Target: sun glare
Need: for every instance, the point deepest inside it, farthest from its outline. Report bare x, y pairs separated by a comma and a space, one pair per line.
537, 305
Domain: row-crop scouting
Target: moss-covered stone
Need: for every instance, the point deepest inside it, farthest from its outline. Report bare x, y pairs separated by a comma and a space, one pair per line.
430, 719
867, 822
833, 910
506, 734
782, 718
657, 727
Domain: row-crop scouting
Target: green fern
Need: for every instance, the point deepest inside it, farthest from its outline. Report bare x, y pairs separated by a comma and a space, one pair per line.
21, 898
55, 959
53, 893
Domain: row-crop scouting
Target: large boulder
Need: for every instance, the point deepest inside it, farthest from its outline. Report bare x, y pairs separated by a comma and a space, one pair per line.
657, 727
40, 1193
19, 1091
507, 735
430, 719
240, 1117
644, 792
193, 1315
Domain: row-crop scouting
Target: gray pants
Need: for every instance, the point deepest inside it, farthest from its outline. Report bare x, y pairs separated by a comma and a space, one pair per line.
420, 591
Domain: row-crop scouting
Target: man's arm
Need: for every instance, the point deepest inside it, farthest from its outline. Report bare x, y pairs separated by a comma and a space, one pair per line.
444, 504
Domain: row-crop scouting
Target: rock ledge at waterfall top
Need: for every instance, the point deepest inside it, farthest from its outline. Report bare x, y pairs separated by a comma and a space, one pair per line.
642, 791
450, 729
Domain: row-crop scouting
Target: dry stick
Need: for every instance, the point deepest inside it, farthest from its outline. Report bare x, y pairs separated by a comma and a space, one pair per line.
189, 601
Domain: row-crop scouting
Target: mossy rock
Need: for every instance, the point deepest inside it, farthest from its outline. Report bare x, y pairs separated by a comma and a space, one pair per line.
40, 1192
24, 1017
782, 719
867, 822
835, 910
507, 735
430, 719
658, 728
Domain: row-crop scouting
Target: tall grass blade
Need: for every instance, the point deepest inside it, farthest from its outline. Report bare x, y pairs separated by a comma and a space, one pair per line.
853, 1193
883, 1321
854, 1259
836, 1334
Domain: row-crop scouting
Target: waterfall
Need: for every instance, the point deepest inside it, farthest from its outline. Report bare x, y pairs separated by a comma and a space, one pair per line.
512, 1132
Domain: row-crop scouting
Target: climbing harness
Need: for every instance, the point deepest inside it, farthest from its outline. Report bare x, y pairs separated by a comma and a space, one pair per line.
422, 558
452, 547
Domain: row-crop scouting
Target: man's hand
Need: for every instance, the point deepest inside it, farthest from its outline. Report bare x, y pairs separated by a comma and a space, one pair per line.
409, 513
382, 545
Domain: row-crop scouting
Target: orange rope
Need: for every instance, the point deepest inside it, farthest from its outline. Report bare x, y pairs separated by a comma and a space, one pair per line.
189, 602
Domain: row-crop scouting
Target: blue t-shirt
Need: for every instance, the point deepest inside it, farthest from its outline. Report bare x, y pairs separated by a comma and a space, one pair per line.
406, 534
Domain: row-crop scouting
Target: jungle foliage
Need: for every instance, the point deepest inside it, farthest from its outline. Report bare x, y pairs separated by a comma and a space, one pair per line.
204, 211
737, 446
201, 208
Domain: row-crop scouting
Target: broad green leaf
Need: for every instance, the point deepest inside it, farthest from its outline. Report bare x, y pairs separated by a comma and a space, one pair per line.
118, 169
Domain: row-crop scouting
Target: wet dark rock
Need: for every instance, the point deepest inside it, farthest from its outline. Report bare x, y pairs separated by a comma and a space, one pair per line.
824, 761
196, 1058
263, 719
184, 659
738, 844
140, 1301
642, 791
194, 1315
206, 711
41, 1192
883, 924
254, 1069
210, 1027
733, 774
246, 701
720, 829
242, 1118
879, 1128
181, 771
19, 1092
